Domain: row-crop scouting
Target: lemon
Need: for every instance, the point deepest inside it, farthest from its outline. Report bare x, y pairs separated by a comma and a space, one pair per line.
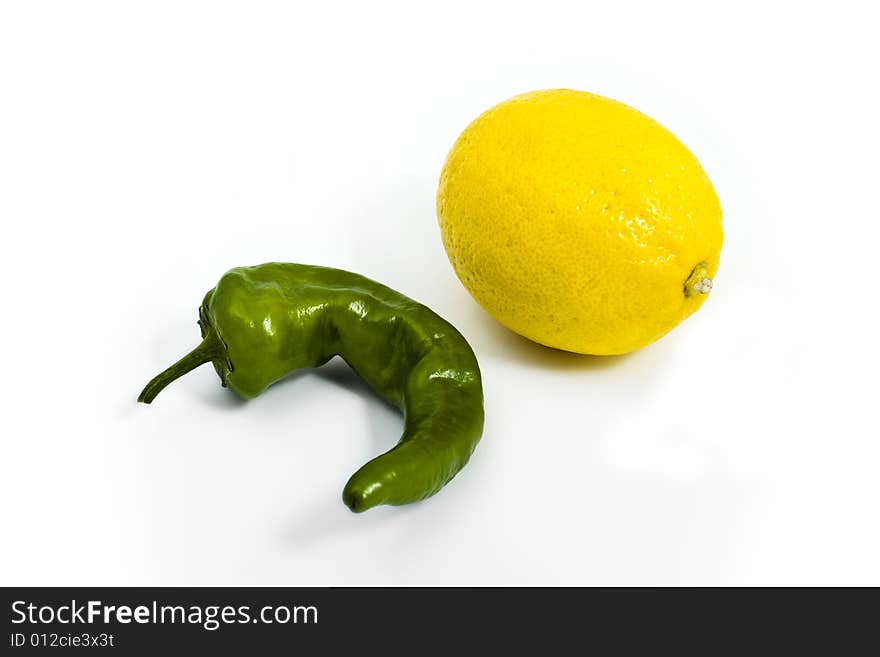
579, 222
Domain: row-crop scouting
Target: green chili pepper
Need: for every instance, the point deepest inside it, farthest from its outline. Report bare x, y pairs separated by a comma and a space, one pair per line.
261, 323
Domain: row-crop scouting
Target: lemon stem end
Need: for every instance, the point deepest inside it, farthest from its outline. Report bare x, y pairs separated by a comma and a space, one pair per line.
698, 282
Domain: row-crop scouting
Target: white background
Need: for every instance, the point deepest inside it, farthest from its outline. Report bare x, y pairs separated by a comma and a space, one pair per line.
145, 148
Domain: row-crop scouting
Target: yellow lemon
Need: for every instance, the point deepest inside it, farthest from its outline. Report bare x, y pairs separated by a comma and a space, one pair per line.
579, 222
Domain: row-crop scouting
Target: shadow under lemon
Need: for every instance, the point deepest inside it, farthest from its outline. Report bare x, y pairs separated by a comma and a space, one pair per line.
511, 345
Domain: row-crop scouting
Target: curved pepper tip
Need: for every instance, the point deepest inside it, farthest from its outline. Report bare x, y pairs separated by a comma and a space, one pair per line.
360, 499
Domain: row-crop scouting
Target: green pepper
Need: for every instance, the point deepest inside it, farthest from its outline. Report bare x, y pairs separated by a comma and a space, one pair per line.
261, 323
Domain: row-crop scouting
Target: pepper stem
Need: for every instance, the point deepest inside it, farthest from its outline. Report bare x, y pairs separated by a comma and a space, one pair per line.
210, 349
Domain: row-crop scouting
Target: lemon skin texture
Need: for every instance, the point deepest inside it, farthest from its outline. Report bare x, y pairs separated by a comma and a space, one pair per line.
579, 222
